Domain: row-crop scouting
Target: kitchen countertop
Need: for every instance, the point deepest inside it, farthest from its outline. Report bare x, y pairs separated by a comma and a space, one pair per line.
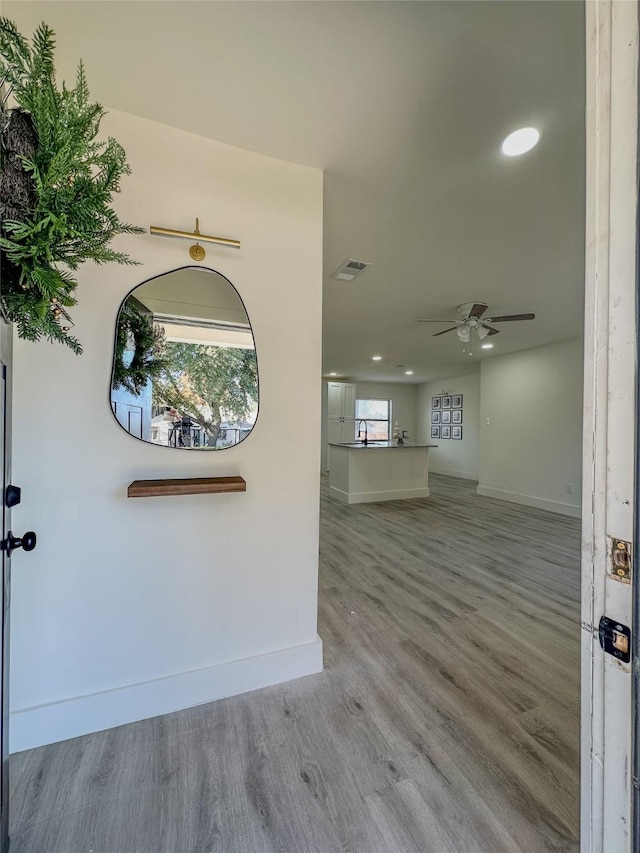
379, 445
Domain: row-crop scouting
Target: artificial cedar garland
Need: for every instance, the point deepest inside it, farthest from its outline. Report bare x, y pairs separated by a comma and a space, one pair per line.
56, 183
137, 332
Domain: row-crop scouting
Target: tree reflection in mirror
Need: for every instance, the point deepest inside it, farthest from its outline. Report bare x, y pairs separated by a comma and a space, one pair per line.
185, 372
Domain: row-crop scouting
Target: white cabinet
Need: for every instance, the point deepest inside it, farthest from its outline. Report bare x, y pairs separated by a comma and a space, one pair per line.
341, 400
384, 473
341, 413
341, 431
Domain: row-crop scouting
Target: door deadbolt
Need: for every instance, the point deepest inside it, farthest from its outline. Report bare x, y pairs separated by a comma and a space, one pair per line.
615, 639
12, 496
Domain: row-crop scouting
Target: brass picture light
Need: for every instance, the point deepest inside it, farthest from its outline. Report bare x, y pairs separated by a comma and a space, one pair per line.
196, 251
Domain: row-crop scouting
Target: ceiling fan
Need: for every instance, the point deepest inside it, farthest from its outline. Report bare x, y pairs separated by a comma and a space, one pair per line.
470, 318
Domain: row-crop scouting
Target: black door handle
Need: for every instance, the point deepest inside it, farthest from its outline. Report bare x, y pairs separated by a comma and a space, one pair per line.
12, 496
27, 542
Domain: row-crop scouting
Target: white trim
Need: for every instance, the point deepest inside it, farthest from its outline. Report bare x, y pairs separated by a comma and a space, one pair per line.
530, 500
81, 715
609, 415
371, 497
453, 472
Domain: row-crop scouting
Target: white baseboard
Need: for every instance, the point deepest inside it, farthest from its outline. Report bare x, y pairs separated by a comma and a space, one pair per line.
81, 715
453, 472
371, 497
529, 500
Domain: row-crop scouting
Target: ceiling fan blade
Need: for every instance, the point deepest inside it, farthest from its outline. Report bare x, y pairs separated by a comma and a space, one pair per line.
510, 317
478, 310
452, 329
491, 331
436, 321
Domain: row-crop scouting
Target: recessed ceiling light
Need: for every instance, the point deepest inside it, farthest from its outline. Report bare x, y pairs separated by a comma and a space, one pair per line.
487, 346
520, 141
376, 358
333, 374
408, 373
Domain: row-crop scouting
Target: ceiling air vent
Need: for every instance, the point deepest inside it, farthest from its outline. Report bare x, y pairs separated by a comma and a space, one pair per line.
350, 269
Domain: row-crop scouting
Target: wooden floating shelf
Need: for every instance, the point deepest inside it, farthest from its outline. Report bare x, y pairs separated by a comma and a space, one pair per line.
191, 486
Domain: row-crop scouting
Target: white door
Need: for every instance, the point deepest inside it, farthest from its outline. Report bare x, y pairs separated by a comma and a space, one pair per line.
348, 430
10, 497
349, 401
334, 431
341, 408
349, 413
6, 358
610, 505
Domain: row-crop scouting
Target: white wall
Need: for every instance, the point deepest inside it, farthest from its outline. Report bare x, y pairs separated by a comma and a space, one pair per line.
458, 458
130, 608
532, 447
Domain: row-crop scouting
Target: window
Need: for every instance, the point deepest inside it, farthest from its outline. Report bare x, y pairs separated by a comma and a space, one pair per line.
377, 414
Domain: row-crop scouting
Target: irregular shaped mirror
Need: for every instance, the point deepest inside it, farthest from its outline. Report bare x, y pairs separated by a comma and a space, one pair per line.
185, 373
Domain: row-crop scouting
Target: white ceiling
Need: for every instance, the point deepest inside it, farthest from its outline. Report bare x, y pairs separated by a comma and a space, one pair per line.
404, 105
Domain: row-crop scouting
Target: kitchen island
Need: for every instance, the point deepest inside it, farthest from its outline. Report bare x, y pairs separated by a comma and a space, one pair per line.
379, 471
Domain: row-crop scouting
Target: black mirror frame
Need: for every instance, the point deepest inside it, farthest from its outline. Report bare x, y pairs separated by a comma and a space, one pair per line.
115, 344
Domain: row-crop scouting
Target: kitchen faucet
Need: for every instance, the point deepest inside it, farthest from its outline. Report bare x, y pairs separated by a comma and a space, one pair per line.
365, 439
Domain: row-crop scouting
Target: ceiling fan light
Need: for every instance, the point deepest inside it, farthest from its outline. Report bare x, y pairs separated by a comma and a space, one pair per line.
482, 332
463, 332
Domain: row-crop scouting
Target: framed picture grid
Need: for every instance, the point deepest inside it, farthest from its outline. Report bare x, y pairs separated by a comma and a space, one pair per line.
447, 416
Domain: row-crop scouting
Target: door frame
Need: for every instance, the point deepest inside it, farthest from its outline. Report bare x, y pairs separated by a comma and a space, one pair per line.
609, 502
6, 357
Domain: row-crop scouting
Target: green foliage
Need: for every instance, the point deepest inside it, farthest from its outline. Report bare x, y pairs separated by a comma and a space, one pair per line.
148, 341
74, 177
222, 381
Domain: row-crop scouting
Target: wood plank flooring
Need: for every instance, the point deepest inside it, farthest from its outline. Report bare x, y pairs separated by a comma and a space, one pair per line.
446, 720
